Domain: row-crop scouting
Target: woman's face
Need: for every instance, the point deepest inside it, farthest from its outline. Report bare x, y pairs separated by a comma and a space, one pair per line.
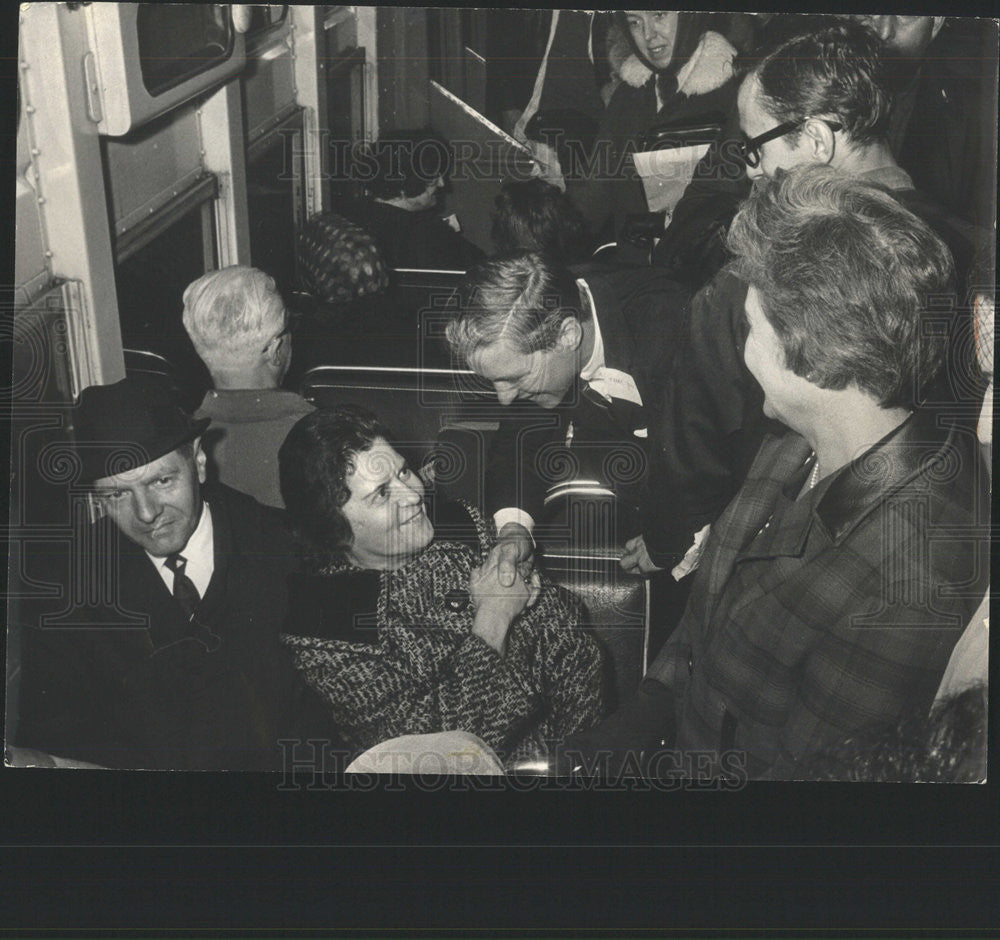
765, 358
654, 34
386, 509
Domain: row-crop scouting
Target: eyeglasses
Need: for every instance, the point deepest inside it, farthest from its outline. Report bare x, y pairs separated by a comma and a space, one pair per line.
749, 147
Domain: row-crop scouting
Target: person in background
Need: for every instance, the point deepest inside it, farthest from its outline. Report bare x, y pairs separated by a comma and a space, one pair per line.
405, 173
240, 328
397, 617
943, 76
680, 71
827, 599
161, 651
532, 215
815, 98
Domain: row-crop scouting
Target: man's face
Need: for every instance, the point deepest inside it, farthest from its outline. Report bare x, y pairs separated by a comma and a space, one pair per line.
765, 358
782, 153
905, 37
157, 505
544, 376
654, 33
386, 509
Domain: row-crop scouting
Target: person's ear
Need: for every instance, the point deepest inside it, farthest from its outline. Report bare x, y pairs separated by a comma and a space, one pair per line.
273, 350
936, 28
200, 459
820, 140
570, 334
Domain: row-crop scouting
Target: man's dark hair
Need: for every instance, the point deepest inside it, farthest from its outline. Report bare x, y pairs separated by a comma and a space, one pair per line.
835, 72
532, 215
313, 464
523, 298
844, 275
407, 162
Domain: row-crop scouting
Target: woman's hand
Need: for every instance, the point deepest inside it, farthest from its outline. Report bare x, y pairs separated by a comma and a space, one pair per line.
497, 605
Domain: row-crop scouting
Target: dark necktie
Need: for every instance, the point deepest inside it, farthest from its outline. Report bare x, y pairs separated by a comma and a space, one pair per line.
184, 590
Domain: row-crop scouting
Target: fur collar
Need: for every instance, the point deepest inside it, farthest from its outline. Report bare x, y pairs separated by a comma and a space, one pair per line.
710, 67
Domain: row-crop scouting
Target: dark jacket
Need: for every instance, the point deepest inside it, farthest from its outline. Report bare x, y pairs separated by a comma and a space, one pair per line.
712, 420
118, 680
612, 189
944, 130
411, 239
814, 617
640, 312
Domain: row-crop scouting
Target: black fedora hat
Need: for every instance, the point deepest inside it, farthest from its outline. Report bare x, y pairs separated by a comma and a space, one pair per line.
127, 425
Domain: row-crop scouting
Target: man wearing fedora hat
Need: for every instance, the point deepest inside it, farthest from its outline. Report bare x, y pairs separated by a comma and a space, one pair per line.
165, 651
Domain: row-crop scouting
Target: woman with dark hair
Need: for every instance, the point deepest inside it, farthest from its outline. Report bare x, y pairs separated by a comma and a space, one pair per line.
401, 624
405, 173
532, 215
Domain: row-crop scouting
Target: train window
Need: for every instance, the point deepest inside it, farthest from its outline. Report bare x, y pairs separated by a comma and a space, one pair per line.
276, 200
177, 41
150, 283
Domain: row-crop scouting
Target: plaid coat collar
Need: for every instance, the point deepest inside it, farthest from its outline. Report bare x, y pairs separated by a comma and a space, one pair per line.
849, 496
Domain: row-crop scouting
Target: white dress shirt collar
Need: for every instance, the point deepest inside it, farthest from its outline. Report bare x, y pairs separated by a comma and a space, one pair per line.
199, 552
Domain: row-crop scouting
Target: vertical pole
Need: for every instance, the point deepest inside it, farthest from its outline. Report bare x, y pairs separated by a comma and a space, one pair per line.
367, 40
309, 48
221, 123
69, 183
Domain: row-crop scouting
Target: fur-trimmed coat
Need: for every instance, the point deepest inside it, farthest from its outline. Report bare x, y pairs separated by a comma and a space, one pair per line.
705, 85
392, 652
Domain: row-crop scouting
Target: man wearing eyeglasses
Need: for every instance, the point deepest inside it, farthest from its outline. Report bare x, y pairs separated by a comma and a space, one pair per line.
815, 99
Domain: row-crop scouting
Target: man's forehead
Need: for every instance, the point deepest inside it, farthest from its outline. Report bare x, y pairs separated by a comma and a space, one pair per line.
175, 460
746, 97
498, 359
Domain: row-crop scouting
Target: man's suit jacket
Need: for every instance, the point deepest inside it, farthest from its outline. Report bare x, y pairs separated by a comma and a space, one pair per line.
112, 674
640, 312
814, 617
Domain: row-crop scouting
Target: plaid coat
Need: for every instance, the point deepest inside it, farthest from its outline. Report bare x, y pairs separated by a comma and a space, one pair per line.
812, 618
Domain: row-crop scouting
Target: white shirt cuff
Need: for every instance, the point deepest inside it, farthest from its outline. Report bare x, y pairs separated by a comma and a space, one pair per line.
502, 516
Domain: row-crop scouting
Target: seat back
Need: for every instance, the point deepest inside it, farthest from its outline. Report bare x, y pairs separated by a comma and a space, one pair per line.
616, 612
444, 415
582, 537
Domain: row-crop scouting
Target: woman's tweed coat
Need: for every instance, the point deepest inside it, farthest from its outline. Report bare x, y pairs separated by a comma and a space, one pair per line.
413, 666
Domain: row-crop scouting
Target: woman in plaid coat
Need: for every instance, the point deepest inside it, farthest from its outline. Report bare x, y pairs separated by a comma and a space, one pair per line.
833, 588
